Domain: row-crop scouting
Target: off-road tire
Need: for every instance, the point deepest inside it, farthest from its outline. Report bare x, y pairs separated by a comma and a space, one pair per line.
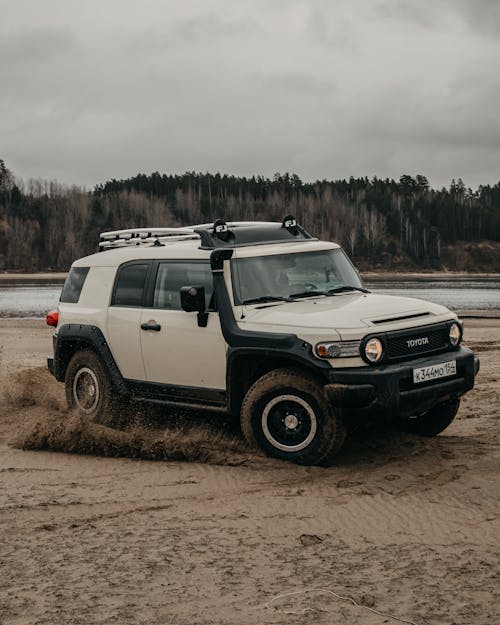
432, 422
103, 405
316, 434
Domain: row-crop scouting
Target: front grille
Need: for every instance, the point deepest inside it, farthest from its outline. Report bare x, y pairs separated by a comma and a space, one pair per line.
417, 341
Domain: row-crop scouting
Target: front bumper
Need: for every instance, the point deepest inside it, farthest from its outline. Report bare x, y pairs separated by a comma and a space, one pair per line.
389, 389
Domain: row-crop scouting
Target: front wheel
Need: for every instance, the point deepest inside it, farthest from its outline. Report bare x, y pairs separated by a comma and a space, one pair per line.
287, 416
89, 390
433, 421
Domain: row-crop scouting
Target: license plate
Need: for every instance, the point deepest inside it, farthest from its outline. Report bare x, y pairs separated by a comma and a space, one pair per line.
442, 370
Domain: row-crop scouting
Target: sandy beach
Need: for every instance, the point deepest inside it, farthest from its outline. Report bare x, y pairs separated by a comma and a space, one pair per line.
401, 529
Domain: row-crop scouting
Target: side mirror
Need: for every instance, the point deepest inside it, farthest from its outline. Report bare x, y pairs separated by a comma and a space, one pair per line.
193, 298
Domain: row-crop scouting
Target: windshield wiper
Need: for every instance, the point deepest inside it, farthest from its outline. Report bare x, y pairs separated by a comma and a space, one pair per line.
267, 298
342, 289
309, 294
330, 292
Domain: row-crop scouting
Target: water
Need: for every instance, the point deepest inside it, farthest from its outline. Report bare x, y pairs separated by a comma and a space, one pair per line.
24, 299
28, 299
463, 294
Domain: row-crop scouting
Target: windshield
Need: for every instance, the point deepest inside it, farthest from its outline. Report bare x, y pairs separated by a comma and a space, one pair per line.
285, 276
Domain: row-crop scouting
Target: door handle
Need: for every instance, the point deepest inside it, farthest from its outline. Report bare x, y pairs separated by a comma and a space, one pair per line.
151, 325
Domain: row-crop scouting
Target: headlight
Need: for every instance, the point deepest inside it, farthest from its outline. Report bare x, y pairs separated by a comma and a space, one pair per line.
338, 349
455, 334
374, 350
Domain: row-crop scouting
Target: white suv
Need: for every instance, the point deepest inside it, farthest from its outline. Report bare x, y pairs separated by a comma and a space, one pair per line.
259, 320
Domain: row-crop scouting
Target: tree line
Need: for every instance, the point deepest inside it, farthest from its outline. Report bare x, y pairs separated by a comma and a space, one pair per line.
382, 223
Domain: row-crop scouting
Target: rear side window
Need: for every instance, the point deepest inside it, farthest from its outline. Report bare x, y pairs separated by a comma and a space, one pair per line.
129, 286
74, 285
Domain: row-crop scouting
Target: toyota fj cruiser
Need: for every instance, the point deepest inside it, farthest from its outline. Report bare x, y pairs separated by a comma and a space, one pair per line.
259, 320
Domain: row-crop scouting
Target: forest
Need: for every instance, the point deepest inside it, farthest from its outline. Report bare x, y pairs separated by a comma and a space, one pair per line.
383, 224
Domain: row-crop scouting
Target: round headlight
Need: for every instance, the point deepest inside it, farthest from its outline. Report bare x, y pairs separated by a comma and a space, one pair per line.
374, 350
455, 334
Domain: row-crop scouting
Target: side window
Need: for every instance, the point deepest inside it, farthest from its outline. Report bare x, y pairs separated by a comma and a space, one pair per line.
129, 285
172, 276
74, 285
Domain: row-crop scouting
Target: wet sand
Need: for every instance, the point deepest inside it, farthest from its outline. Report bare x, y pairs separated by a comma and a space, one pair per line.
404, 526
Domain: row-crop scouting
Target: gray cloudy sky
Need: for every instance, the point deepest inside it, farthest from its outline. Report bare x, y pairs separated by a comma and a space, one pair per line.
324, 88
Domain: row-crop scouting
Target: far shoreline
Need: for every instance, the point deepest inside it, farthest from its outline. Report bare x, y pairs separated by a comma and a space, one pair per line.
33, 277
370, 276
375, 276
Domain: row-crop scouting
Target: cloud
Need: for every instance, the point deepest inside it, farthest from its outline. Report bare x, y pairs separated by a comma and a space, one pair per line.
298, 84
36, 46
97, 90
482, 16
209, 26
335, 30
409, 11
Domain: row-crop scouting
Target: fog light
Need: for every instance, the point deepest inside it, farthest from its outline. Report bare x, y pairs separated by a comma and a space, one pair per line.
455, 334
374, 350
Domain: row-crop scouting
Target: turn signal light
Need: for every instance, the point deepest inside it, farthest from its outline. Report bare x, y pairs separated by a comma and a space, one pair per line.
338, 349
52, 318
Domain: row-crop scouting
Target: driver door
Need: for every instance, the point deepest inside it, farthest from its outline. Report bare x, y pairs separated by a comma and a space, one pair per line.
175, 350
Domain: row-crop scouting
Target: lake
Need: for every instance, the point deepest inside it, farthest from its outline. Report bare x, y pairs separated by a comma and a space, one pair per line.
35, 299
464, 294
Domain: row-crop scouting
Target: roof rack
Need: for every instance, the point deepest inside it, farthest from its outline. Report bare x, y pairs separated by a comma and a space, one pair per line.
143, 236
212, 235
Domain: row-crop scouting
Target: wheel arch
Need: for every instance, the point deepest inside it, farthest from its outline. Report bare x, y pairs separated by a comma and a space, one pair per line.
246, 366
72, 338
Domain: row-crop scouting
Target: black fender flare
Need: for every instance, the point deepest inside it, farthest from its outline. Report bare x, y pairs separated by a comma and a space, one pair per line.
245, 365
74, 336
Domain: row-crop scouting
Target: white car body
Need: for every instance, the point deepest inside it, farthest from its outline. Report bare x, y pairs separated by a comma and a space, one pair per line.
129, 304
348, 316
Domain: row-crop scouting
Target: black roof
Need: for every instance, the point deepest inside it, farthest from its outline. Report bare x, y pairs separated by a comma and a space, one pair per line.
222, 235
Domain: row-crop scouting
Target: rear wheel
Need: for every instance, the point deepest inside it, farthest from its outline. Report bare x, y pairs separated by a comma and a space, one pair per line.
433, 421
89, 390
287, 416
